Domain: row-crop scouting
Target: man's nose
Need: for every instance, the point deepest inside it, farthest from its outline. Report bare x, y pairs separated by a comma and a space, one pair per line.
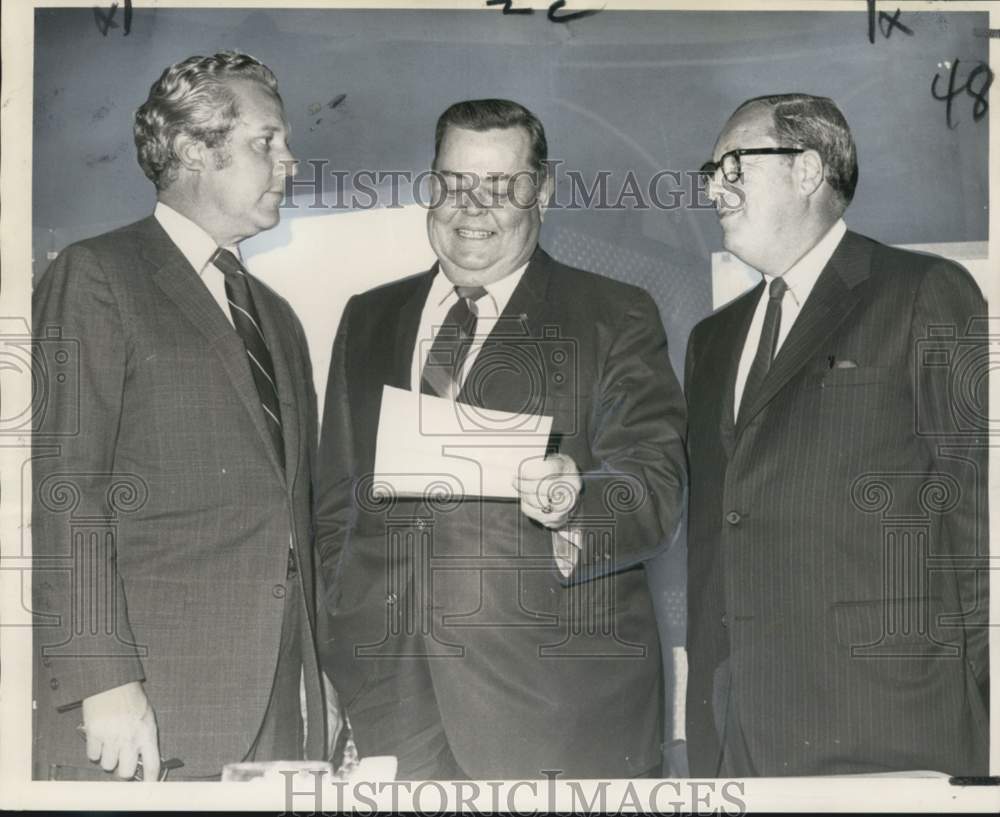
285, 163
472, 202
715, 190
722, 195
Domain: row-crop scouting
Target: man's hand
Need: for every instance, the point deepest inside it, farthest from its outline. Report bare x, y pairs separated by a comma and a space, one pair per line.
549, 488
121, 728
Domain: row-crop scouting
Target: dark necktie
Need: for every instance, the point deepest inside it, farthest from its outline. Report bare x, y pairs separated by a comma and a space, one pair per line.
768, 344
247, 323
442, 375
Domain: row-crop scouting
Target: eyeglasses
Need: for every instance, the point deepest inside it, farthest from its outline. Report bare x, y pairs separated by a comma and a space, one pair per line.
732, 169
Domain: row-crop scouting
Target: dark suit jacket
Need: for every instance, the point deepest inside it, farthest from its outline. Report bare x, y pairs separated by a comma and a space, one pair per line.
157, 459
531, 671
834, 534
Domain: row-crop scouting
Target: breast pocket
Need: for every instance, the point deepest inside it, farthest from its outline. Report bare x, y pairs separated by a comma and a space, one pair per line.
856, 376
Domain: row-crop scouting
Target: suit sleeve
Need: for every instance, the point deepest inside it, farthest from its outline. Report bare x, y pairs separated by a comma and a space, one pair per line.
638, 426
950, 367
335, 467
82, 627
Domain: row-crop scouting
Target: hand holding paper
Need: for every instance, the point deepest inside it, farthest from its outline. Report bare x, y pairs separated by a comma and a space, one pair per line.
549, 488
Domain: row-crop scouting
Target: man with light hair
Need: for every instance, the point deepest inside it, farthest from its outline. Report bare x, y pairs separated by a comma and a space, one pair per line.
179, 624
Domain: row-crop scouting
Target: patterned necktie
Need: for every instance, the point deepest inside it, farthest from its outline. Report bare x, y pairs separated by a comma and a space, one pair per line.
247, 323
442, 375
768, 344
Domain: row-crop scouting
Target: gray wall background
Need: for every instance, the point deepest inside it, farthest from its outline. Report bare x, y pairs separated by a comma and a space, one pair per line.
621, 91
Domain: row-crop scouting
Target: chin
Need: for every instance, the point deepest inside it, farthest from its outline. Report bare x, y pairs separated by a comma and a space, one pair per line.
268, 220
731, 240
469, 261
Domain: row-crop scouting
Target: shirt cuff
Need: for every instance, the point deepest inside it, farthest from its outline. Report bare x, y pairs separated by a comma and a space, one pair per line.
566, 546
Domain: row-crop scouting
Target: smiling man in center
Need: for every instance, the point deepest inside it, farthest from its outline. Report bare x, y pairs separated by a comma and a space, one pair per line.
535, 647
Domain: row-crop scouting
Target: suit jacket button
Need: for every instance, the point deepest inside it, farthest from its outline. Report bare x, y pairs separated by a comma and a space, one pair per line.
725, 620
54, 683
391, 599
46, 662
278, 591
733, 518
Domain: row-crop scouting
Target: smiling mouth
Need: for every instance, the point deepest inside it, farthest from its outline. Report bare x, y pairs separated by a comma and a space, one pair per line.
474, 235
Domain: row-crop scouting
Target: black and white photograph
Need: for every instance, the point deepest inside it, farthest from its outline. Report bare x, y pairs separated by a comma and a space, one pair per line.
499, 406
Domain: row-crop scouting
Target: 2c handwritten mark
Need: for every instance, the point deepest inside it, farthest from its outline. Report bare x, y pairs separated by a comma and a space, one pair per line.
554, 13
508, 7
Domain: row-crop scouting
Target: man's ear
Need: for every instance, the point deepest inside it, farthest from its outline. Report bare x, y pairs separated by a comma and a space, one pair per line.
810, 172
192, 154
545, 194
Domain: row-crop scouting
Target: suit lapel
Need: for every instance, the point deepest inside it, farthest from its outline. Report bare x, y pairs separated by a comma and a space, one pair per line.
522, 318
399, 369
181, 283
292, 421
830, 302
730, 345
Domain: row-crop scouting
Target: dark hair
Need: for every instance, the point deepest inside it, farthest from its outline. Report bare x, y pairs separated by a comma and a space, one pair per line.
816, 123
191, 97
489, 114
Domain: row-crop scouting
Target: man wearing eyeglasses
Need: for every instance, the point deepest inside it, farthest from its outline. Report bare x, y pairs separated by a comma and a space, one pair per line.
837, 544
502, 638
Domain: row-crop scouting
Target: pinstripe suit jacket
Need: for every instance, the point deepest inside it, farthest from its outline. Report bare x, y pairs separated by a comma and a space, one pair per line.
152, 456
834, 534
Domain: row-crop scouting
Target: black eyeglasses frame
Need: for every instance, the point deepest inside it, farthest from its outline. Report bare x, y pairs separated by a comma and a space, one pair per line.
735, 172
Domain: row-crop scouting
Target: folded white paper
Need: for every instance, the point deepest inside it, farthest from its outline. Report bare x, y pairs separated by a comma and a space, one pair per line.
428, 446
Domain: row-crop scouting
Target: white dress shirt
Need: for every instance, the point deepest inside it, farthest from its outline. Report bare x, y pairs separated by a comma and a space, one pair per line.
801, 278
197, 246
440, 299
442, 296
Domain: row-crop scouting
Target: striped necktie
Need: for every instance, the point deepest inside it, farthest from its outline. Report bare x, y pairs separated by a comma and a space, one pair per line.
247, 323
442, 375
767, 347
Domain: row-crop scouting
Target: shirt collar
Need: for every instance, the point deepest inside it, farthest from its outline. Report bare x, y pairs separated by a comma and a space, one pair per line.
195, 244
500, 291
803, 274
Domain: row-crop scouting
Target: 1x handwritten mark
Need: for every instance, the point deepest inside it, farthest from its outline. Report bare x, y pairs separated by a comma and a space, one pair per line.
886, 23
107, 21
981, 104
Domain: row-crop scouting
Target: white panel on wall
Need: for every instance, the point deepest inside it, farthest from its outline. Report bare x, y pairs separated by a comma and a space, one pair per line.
313, 261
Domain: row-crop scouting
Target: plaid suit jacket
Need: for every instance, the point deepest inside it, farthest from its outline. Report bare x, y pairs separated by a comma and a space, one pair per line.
162, 518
